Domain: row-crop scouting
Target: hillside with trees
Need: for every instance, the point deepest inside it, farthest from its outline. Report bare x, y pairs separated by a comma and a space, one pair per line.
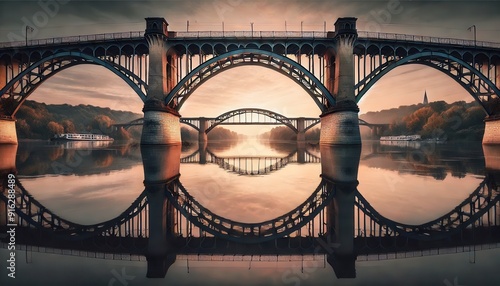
455, 121
217, 134
284, 133
41, 121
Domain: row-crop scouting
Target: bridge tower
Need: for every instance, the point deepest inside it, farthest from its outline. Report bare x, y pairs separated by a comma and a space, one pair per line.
340, 165
161, 165
161, 122
339, 124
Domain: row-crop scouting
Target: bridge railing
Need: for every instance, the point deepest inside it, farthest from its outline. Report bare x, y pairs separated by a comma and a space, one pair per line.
426, 39
250, 34
75, 39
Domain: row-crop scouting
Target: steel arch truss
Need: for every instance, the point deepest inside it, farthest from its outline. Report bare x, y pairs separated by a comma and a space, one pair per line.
476, 83
242, 57
470, 212
32, 213
21, 86
235, 116
240, 232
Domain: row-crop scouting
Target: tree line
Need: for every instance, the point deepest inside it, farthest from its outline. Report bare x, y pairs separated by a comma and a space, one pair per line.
36, 120
456, 121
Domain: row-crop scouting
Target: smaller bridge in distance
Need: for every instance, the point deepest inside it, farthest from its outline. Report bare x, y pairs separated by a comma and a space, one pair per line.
250, 165
254, 116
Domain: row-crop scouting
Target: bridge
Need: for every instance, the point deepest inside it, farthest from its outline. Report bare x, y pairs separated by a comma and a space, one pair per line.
194, 229
253, 116
250, 165
335, 68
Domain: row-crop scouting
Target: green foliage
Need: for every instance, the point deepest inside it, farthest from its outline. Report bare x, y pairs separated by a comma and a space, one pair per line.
41, 121
456, 121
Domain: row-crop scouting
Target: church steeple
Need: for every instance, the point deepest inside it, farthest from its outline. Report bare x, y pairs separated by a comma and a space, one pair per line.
426, 101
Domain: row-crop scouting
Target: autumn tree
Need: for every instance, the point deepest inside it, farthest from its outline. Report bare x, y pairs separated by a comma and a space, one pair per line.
102, 124
68, 125
55, 128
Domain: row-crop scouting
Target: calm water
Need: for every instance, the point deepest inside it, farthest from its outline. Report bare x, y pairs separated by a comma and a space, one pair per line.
253, 182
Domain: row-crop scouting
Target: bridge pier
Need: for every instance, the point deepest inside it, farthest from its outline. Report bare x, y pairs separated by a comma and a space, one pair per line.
202, 150
339, 164
491, 131
339, 124
8, 134
161, 165
492, 162
301, 153
301, 134
202, 135
161, 123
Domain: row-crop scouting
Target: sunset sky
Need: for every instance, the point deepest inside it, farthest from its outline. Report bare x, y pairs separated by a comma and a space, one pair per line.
250, 86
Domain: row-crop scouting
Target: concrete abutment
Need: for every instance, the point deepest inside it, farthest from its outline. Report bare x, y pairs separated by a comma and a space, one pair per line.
8, 133
491, 131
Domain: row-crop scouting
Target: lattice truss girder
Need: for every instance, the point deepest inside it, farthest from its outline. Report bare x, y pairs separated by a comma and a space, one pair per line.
234, 116
30, 76
481, 86
216, 64
283, 226
477, 210
32, 213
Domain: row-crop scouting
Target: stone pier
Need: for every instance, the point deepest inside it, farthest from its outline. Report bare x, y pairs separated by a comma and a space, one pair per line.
8, 133
161, 122
491, 131
339, 124
202, 135
301, 134
340, 165
161, 165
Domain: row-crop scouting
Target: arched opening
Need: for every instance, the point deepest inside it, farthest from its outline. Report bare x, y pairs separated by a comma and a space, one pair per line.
283, 65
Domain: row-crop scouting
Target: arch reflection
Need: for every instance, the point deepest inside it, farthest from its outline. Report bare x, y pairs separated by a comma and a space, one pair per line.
336, 221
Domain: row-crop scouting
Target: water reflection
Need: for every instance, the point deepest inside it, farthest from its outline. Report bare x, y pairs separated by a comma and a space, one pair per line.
338, 212
78, 158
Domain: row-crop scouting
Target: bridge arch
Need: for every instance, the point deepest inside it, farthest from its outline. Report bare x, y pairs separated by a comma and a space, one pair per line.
241, 57
40, 71
484, 198
240, 232
473, 81
270, 114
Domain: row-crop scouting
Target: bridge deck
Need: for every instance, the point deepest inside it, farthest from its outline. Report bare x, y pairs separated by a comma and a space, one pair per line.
363, 246
242, 35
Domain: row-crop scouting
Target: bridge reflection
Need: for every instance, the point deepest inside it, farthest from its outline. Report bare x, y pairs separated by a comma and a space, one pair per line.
250, 165
336, 221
